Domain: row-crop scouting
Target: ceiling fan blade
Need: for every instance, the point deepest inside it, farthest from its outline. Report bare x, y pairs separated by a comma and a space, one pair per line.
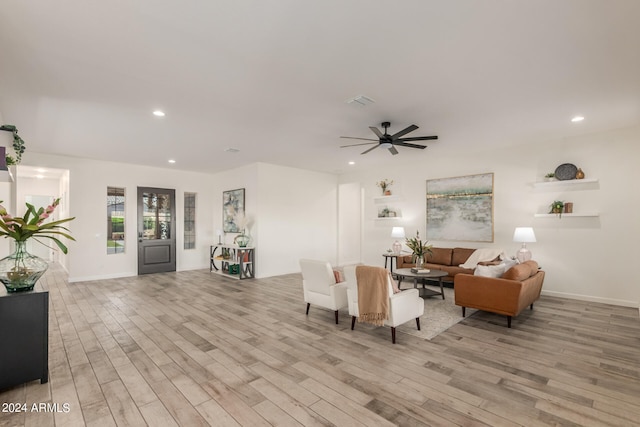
364, 139
404, 132
376, 131
405, 144
372, 148
418, 138
393, 150
355, 145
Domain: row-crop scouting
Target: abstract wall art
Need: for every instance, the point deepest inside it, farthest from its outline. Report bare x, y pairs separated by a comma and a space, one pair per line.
233, 210
460, 208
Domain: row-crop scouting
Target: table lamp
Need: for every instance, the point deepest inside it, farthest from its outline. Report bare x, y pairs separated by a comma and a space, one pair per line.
524, 235
398, 233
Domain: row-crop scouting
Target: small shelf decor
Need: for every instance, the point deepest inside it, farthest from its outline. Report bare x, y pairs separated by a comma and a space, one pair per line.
384, 186
557, 207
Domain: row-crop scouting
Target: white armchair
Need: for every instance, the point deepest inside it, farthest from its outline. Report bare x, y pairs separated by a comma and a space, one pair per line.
320, 287
403, 306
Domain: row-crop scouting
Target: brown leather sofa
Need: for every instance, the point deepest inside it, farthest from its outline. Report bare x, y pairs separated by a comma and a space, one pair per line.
445, 259
519, 287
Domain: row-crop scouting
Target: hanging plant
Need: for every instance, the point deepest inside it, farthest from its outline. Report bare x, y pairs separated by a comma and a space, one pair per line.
18, 145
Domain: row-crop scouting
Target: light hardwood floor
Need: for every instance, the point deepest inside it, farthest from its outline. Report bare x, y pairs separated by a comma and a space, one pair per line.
195, 349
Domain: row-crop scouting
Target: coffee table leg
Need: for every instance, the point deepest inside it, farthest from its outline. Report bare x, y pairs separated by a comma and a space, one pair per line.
441, 289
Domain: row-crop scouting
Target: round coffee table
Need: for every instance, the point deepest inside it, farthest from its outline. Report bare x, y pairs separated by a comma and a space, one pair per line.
406, 273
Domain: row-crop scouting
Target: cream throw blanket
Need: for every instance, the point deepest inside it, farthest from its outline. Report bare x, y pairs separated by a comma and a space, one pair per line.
373, 294
481, 255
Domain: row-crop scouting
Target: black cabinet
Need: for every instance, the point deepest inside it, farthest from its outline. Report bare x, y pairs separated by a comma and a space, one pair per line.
24, 329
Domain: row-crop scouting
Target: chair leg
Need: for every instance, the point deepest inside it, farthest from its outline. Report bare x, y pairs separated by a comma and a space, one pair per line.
308, 305
336, 316
353, 322
531, 306
418, 322
463, 309
508, 321
393, 335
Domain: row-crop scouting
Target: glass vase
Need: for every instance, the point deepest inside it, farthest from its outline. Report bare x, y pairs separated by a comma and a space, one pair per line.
242, 240
419, 262
20, 271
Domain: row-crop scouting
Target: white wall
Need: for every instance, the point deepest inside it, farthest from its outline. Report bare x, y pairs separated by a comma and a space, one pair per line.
585, 258
88, 182
292, 214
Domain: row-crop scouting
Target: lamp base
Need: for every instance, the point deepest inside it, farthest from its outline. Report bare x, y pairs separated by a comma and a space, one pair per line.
523, 254
396, 247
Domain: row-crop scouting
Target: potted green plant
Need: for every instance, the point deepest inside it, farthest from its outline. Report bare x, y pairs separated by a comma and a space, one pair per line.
18, 145
557, 207
419, 248
550, 176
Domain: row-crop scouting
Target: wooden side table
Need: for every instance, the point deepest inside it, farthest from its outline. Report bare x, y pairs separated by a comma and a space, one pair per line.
390, 257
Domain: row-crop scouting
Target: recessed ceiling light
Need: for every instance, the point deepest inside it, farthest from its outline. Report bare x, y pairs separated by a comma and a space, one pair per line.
158, 113
360, 101
577, 119
172, 161
352, 163
232, 150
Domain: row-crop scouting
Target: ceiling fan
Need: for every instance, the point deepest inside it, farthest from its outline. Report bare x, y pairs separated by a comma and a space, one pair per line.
389, 141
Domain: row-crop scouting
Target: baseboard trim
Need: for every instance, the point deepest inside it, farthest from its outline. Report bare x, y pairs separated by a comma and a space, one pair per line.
612, 301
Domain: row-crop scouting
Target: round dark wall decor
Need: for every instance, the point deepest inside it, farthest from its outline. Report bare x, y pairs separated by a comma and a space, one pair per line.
566, 171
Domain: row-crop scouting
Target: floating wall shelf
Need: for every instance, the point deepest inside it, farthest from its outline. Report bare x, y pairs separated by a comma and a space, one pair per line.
572, 184
568, 215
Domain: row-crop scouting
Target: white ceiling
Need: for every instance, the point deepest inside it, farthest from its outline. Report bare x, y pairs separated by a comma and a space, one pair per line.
270, 78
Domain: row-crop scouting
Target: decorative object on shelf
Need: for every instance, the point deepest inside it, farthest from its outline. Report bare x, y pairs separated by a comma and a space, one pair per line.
420, 249
384, 212
219, 234
524, 235
460, 208
557, 207
384, 186
566, 171
568, 207
397, 233
550, 177
242, 240
20, 271
18, 146
232, 210
580, 174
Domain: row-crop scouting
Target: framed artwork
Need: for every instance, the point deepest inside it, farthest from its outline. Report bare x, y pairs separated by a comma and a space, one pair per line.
460, 208
232, 210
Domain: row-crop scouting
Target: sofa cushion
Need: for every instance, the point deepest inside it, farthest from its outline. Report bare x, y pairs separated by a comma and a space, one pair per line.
520, 272
440, 256
495, 271
461, 255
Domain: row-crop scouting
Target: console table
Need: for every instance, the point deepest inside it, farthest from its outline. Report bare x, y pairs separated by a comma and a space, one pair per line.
234, 261
24, 334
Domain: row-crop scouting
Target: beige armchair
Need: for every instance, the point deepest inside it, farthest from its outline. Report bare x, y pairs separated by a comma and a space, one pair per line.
403, 306
320, 287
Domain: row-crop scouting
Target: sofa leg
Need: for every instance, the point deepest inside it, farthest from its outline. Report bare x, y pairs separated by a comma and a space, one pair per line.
463, 310
308, 305
353, 322
508, 321
336, 316
531, 306
418, 322
393, 335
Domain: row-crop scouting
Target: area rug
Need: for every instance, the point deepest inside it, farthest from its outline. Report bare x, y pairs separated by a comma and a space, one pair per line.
439, 315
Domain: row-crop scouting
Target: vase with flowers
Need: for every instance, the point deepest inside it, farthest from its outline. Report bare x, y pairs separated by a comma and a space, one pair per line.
384, 186
419, 248
21, 270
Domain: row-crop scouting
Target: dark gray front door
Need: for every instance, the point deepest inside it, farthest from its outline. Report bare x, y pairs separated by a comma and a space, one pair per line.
156, 230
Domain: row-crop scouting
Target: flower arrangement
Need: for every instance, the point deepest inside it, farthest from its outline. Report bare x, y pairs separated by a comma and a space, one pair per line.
18, 145
32, 225
384, 184
419, 248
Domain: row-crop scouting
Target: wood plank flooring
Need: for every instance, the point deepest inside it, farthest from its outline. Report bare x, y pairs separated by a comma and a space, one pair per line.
195, 349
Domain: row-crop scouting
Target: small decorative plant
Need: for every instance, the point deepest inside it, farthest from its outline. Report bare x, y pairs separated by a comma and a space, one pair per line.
550, 176
556, 207
420, 249
384, 185
18, 145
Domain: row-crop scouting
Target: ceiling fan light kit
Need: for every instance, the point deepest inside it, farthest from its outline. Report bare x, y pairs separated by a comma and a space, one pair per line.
391, 141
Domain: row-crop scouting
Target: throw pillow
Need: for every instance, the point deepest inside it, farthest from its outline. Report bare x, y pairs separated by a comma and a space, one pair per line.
337, 274
518, 272
494, 271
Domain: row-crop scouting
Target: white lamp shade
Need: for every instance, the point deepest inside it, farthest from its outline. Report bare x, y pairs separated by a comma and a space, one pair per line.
398, 232
524, 235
